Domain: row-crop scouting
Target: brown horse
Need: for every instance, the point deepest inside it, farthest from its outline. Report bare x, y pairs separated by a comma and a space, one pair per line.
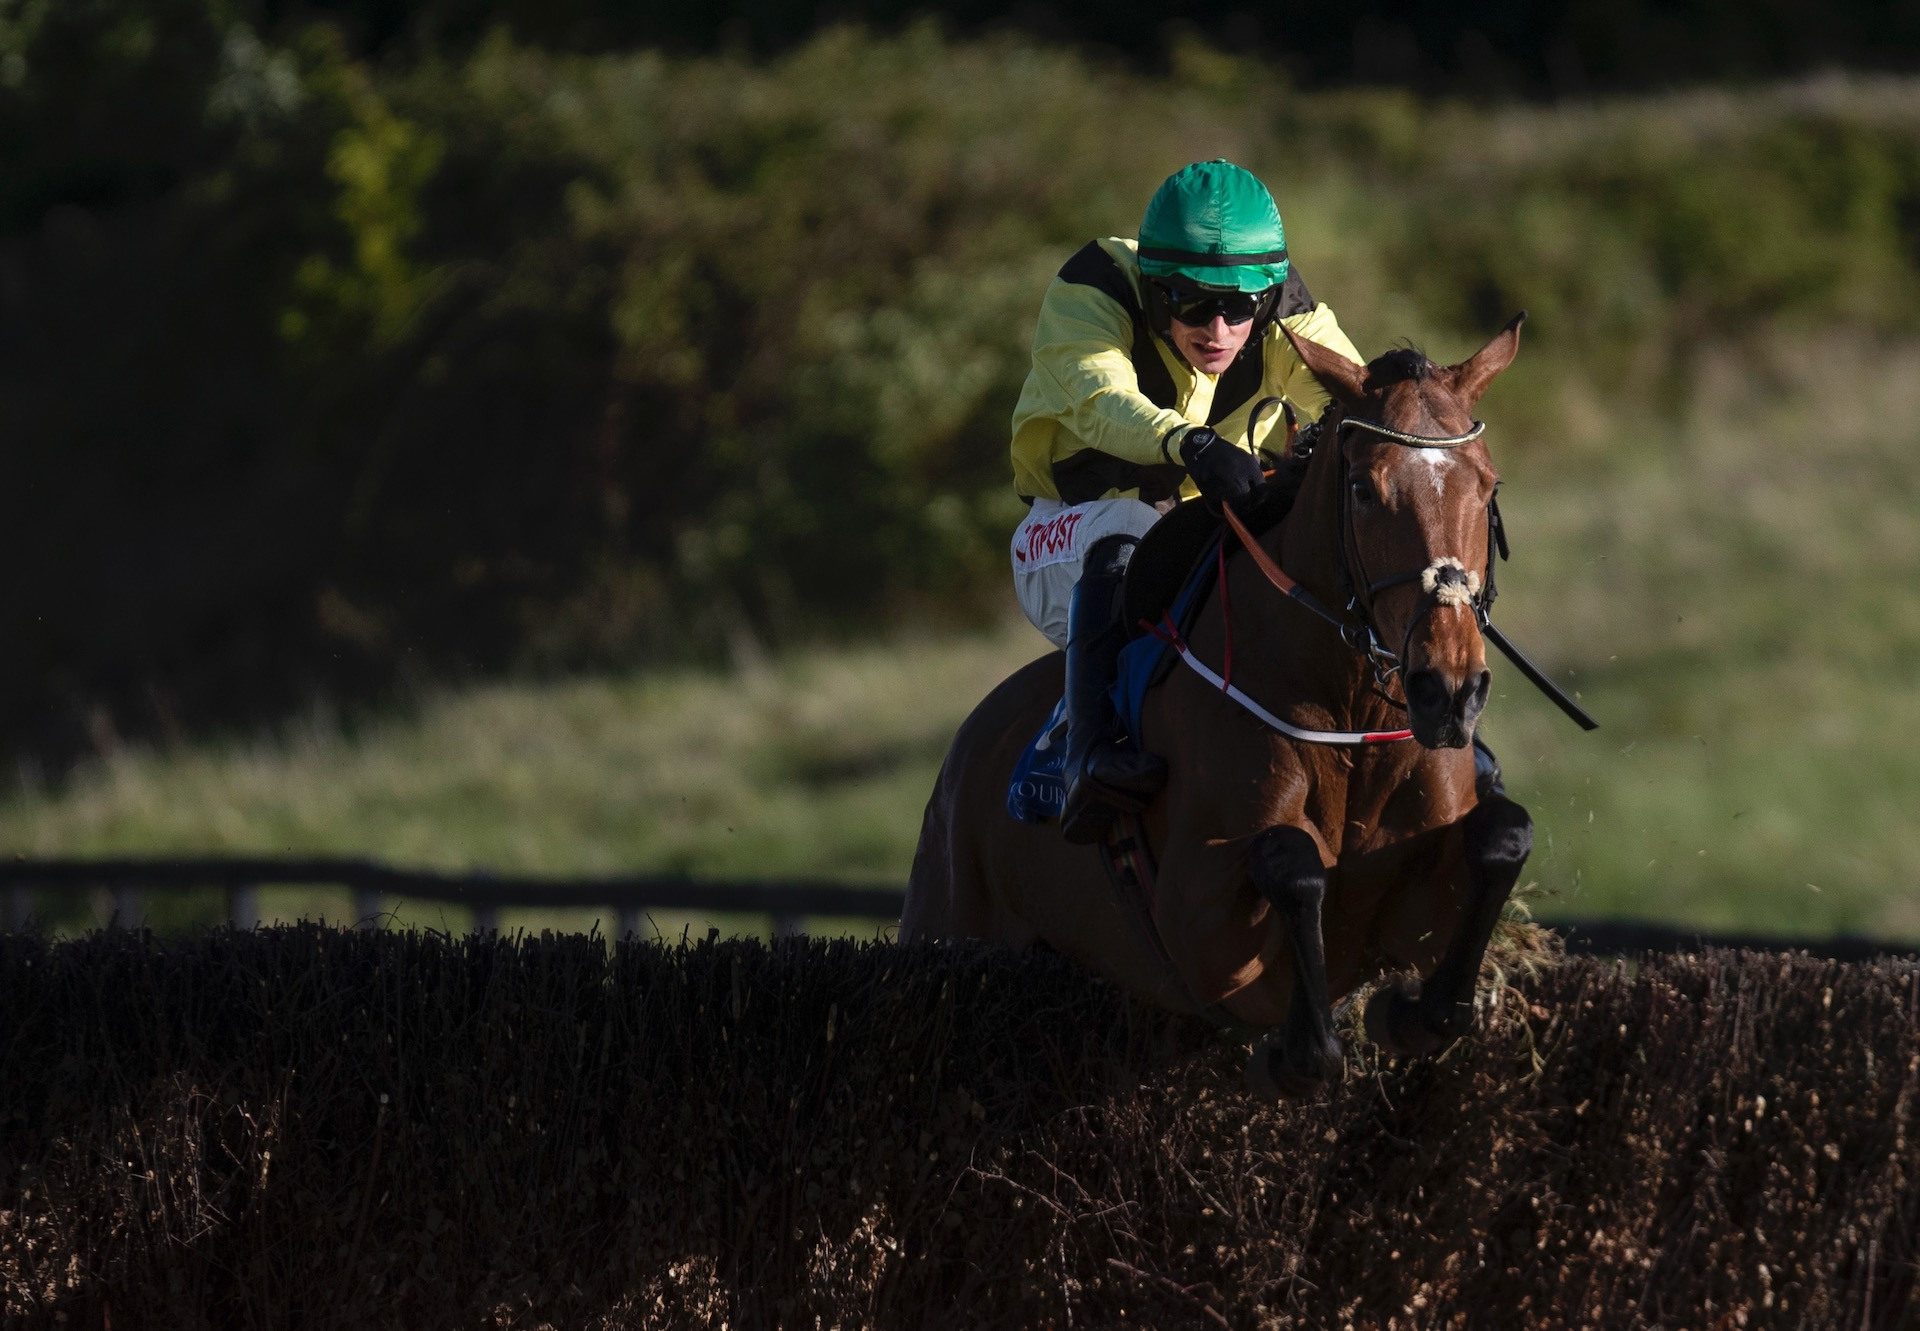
1289, 873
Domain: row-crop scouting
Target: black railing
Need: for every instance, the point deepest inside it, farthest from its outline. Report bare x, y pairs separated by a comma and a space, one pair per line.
788, 902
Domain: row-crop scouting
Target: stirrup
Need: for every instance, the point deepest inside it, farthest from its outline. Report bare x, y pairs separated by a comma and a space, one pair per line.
1092, 805
1087, 822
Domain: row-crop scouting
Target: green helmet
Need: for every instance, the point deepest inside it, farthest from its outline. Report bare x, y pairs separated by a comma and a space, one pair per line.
1214, 224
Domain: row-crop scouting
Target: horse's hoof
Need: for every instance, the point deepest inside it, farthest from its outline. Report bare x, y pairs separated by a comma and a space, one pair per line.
1260, 1079
1379, 1020
1398, 1024
1273, 1076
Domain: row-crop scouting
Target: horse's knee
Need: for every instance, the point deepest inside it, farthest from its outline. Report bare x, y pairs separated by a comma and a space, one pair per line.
1499, 835
1286, 869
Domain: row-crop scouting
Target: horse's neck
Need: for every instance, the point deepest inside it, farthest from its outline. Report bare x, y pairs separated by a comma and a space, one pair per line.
1302, 657
1307, 544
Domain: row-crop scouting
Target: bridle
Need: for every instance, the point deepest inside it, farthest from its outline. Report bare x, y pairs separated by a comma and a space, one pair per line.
1356, 628
1445, 581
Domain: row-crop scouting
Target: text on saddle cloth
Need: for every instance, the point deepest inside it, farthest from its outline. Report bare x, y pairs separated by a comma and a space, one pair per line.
1038, 791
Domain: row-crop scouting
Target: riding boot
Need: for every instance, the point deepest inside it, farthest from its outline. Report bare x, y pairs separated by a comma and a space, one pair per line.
1105, 776
1487, 778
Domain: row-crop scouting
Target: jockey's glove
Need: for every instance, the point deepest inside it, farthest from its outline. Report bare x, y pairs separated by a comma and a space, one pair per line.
1222, 472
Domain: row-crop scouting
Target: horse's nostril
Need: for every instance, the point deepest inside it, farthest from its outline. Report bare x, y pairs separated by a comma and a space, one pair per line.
1476, 696
1426, 692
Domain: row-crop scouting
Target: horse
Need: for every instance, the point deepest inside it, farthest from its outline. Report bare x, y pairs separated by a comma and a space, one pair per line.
1290, 872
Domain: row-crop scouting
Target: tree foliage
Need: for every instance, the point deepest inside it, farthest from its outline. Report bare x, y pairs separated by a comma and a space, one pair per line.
321, 369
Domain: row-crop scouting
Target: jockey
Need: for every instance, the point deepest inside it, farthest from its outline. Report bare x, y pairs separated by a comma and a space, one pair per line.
1156, 366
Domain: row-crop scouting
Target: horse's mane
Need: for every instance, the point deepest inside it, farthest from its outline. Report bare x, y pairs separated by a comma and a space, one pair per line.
1268, 506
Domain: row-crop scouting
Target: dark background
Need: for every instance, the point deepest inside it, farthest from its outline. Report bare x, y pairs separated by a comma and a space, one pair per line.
1474, 49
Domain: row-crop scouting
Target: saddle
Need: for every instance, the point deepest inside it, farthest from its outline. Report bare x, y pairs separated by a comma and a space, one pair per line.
1166, 560
1169, 555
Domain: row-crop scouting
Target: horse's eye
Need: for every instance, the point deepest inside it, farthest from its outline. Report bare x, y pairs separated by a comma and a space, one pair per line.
1362, 490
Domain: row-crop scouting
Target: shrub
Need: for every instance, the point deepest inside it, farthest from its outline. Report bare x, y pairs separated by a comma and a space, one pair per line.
322, 373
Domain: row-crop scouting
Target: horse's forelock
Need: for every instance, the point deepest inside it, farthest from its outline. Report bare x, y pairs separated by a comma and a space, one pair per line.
1398, 366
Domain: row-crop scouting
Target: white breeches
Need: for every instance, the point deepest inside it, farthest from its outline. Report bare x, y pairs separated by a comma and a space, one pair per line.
1051, 546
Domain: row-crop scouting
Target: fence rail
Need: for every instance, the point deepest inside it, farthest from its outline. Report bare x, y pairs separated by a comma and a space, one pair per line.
787, 902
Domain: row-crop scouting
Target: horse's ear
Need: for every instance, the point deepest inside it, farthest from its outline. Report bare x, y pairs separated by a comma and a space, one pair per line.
1471, 376
1338, 375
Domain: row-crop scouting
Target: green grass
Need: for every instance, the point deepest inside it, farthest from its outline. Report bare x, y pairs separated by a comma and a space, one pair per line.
1736, 598
1732, 594
792, 769
818, 764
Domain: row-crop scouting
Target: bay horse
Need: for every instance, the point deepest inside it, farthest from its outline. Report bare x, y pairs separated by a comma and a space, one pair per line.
1289, 872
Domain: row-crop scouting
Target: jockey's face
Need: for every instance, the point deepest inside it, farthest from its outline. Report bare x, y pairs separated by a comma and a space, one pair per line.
1210, 347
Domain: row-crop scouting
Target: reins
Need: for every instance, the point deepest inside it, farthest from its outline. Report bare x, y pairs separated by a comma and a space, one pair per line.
1439, 588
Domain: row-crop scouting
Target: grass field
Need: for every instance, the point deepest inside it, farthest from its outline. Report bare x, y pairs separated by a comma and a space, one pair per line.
817, 763
1733, 594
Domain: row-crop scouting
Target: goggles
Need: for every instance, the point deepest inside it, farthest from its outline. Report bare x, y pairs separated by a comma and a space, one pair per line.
1196, 306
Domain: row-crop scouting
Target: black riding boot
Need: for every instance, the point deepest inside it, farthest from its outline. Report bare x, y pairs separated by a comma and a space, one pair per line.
1487, 778
1105, 776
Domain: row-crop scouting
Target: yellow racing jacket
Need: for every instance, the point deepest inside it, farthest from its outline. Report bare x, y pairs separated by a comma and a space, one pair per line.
1105, 395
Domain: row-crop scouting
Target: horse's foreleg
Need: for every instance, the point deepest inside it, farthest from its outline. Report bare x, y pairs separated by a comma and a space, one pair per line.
1305, 1053
1496, 838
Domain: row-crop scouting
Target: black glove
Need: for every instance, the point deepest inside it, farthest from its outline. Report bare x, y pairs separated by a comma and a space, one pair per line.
1223, 473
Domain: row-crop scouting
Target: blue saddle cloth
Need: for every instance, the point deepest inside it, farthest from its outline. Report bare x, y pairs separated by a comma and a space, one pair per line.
1038, 791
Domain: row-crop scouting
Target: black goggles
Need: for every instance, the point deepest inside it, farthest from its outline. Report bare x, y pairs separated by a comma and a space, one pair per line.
1196, 307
